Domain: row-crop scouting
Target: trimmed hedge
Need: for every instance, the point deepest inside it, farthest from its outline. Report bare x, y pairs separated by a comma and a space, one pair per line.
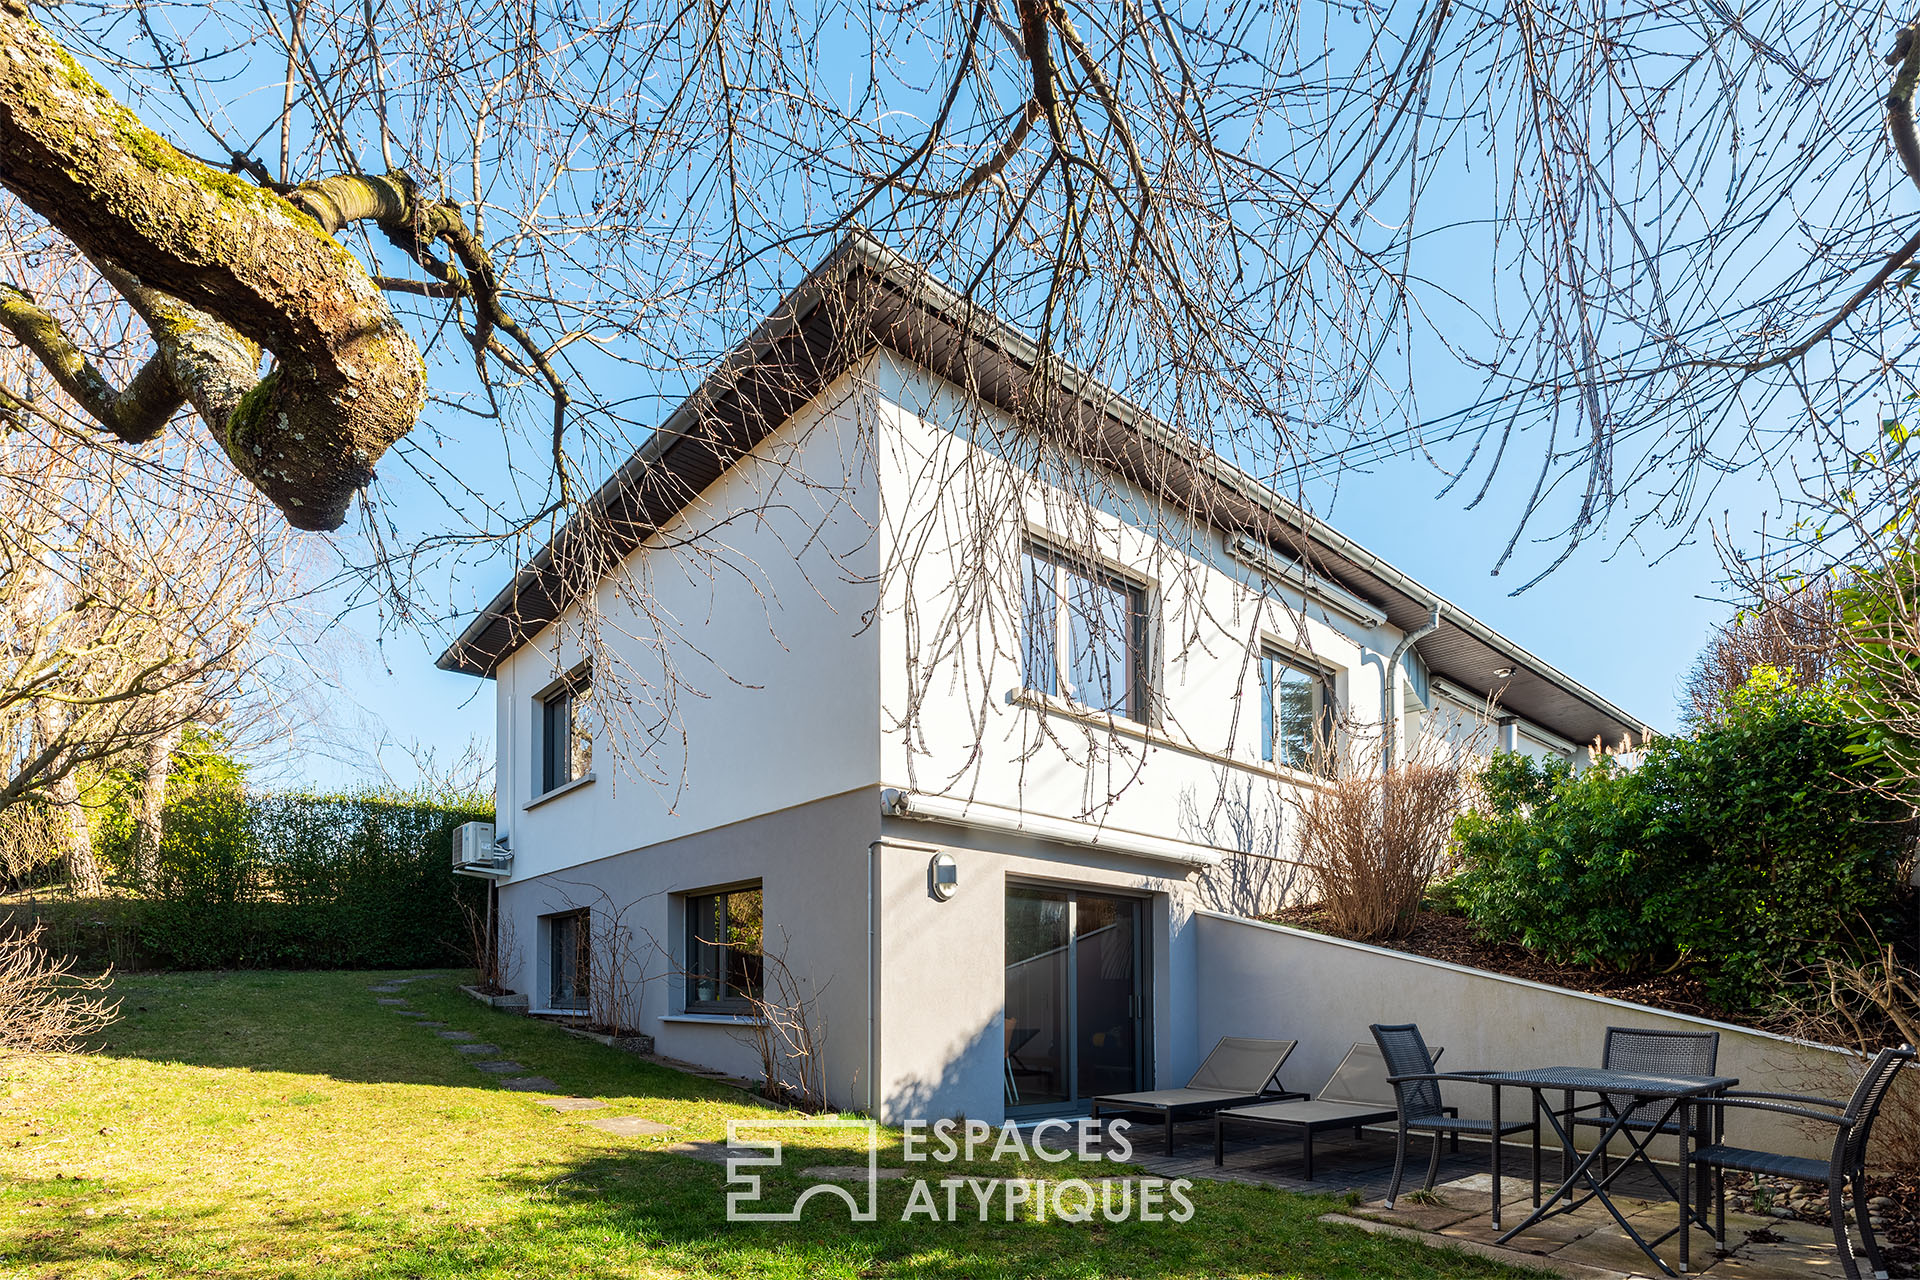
355, 881
1749, 852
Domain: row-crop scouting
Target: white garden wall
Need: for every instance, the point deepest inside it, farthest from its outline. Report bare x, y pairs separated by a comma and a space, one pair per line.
1256, 979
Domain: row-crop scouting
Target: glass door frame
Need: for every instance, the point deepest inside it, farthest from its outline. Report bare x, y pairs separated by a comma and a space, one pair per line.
1074, 1103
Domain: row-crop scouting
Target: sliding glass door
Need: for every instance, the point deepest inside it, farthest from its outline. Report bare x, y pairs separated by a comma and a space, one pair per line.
1075, 1010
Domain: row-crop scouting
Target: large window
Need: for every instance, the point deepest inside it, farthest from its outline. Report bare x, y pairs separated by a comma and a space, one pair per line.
566, 739
723, 951
1083, 635
1296, 713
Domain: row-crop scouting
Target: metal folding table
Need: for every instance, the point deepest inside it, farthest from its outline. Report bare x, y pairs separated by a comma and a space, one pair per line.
1676, 1094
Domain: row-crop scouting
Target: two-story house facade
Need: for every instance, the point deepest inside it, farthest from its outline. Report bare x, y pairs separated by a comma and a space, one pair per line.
952, 706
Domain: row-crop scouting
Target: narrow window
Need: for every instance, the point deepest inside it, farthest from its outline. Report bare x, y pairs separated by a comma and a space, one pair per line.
1083, 635
723, 951
566, 738
1296, 713
569, 960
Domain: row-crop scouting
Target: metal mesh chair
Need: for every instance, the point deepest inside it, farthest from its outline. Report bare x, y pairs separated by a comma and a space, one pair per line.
1648, 1051
1845, 1168
1416, 1085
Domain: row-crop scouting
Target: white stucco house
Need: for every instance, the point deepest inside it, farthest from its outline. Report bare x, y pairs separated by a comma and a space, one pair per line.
967, 718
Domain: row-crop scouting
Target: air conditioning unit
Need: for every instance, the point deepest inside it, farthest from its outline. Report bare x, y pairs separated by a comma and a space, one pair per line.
477, 853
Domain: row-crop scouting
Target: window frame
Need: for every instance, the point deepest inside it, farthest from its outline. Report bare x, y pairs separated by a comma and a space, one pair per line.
1138, 686
557, 723
1321, 718
698, 952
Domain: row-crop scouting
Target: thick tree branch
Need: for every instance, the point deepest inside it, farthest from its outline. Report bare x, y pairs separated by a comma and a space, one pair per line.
347, 381
136, 414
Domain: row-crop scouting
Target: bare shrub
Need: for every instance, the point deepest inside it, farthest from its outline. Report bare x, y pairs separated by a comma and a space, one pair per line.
33, 837
1373, 841
787, 1033
489, 944
1869, 1006
44, 1006
1795, 628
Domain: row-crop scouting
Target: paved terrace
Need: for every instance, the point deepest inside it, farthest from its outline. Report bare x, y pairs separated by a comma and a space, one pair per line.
1585, 1245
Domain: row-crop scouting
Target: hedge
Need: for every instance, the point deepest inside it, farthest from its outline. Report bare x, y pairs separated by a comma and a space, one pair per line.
291, 881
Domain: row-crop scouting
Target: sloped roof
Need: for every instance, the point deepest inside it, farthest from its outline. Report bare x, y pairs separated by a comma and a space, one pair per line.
864, 296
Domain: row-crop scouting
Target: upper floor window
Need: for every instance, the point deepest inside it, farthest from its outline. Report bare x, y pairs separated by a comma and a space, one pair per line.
723, 951
1296, 713
566, 739
1082, 635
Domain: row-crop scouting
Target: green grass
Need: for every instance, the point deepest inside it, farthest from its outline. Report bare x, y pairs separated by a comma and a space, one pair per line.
283, 1124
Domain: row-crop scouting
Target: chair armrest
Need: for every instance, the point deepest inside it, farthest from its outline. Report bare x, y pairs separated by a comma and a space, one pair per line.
1468, 1077
1786, 1097
1779, 1108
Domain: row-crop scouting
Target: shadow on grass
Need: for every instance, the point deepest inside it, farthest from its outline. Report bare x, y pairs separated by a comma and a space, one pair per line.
332, 1025
653, 1213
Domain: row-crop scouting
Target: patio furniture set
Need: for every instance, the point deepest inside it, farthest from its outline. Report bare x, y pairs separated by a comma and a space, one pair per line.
1650, 1084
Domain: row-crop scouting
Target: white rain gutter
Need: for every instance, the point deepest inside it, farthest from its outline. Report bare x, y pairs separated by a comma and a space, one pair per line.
992, 817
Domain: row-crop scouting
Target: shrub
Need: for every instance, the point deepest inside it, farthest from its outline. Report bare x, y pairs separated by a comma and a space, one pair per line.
1751, 850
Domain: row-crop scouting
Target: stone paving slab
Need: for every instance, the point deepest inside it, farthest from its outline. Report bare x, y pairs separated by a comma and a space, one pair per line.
454, 1035
641, 1127
850, 1173
709, 1152
429, 1024
503, 1067
391, 1003
417, 1013
1513, 1257
386, 989
529, 1084
476, 1048
572, 1104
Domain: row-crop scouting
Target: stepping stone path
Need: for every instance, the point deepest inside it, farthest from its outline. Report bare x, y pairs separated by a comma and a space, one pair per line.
617, 1126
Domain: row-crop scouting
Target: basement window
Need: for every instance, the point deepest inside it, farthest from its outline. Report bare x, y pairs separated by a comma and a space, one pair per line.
724, 967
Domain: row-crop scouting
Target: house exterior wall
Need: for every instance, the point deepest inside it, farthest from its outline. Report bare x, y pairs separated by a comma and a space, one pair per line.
811, 864
842, 611
762, 622
957, 503
1255, 979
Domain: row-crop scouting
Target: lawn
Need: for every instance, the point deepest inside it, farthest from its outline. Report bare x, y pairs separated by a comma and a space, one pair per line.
285, 1124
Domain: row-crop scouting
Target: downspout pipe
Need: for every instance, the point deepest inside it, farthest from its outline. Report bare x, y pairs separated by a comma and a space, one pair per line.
1390, 686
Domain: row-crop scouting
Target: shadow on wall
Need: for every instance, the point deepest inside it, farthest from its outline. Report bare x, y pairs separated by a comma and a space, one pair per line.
1246, 818
973, 1077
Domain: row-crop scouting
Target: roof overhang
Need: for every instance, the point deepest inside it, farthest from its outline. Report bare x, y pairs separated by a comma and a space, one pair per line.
863, 297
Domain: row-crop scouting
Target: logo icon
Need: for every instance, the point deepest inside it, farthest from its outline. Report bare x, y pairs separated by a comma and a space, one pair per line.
767, 1153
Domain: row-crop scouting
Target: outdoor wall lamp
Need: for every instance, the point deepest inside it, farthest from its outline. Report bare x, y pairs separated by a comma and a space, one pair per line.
943, 877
